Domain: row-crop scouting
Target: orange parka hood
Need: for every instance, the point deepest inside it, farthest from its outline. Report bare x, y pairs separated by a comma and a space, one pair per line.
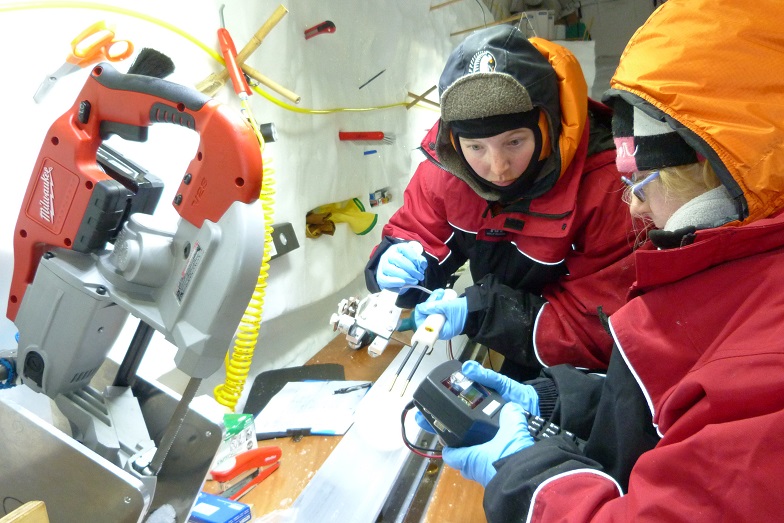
717, 75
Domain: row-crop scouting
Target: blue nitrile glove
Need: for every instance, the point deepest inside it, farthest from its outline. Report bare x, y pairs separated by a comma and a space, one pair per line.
455, 311
476, 462
423, 423
510, 390
401, 264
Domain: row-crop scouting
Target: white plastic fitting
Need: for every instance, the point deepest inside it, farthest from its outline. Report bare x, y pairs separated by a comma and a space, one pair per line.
428, 332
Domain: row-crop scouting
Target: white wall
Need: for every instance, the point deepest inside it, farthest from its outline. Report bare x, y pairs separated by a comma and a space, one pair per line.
404, 38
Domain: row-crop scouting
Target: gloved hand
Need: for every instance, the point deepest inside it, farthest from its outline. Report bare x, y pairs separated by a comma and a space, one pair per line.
455, 311
476, 463
401, 264
510, 390
423, 423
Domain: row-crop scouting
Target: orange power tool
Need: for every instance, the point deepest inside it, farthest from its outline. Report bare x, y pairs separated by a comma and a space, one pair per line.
192, 285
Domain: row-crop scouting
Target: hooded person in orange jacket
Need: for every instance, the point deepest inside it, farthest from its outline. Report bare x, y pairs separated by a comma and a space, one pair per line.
519, 180
684, 427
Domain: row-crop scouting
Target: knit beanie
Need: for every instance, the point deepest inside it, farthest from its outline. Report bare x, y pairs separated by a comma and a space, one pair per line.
494, 125
644, 143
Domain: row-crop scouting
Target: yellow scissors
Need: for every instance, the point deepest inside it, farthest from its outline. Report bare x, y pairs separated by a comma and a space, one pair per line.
94, 44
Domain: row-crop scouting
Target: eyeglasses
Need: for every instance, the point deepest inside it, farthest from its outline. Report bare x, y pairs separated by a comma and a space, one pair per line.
638, 186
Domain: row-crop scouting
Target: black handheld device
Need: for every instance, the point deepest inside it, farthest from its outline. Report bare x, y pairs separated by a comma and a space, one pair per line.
465, 413
462, 412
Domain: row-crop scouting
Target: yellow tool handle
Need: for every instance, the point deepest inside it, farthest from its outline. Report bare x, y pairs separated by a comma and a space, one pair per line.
263, 31
256, 75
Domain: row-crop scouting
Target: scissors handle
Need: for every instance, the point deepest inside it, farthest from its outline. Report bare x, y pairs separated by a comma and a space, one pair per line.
118, 50
97, 43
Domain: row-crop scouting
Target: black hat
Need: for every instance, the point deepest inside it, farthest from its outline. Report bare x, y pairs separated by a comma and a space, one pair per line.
490, 73
494, 125
496, 71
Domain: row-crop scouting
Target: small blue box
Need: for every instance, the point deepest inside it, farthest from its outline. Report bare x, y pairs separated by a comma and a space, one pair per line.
215, 509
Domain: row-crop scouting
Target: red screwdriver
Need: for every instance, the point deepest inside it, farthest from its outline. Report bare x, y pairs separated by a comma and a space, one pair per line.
229, 52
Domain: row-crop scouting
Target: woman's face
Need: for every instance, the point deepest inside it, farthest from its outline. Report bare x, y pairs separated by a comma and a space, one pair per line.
502, 158
658, 205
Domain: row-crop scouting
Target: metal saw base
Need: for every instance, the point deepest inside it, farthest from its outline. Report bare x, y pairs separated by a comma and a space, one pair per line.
41, 462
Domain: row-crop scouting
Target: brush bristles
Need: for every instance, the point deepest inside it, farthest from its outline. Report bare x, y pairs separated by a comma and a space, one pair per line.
151, 62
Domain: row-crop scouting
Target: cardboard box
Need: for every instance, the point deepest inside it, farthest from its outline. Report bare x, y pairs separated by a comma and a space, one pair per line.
215, 509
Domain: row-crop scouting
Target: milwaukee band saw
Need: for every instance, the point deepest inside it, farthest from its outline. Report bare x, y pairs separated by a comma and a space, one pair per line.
87, 254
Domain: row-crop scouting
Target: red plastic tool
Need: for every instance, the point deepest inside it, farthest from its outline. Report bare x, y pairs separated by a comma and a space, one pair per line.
346, 136
366, 136
229, 52
258, 458
324, 27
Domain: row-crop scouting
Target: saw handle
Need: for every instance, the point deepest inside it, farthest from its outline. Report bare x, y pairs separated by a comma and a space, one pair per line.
227, 166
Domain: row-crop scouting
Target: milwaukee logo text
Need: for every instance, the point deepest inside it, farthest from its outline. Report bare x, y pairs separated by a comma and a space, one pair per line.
46, 209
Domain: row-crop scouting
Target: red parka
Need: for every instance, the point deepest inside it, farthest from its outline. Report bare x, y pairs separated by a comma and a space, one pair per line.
545, 268
686, 425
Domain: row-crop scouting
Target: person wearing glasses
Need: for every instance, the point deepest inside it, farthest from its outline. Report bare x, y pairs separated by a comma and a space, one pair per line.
519, 180
684, 189
686, 423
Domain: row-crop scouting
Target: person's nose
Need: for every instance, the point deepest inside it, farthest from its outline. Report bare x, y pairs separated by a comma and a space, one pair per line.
637, 207
499, 165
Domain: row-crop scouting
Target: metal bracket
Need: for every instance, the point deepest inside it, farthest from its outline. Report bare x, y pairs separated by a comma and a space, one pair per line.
370, 321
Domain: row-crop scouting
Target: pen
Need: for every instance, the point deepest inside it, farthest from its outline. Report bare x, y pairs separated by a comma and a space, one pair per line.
296, 434
353, 388
374, 77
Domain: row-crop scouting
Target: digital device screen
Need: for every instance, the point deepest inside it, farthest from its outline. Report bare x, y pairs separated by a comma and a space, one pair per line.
472, 394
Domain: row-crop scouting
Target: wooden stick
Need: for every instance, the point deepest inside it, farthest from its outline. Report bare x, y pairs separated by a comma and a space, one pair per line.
438, 6
30, 512
498, 22
215, 81
587, 33
421, 98
256, 75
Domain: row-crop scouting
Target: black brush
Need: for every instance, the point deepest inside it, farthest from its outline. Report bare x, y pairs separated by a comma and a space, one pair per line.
153, 63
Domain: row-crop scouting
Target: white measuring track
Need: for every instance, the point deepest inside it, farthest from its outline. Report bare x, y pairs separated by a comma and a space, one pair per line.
354, 482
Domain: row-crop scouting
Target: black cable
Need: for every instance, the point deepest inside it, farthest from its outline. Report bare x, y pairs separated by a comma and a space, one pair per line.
416, 449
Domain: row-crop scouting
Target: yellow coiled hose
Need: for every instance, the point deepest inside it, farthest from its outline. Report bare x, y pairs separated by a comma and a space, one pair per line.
239, 359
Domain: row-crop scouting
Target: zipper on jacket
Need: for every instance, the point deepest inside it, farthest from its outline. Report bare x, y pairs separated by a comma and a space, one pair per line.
432, 159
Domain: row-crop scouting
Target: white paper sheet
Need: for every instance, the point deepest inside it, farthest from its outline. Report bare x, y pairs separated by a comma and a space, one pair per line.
311, 405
